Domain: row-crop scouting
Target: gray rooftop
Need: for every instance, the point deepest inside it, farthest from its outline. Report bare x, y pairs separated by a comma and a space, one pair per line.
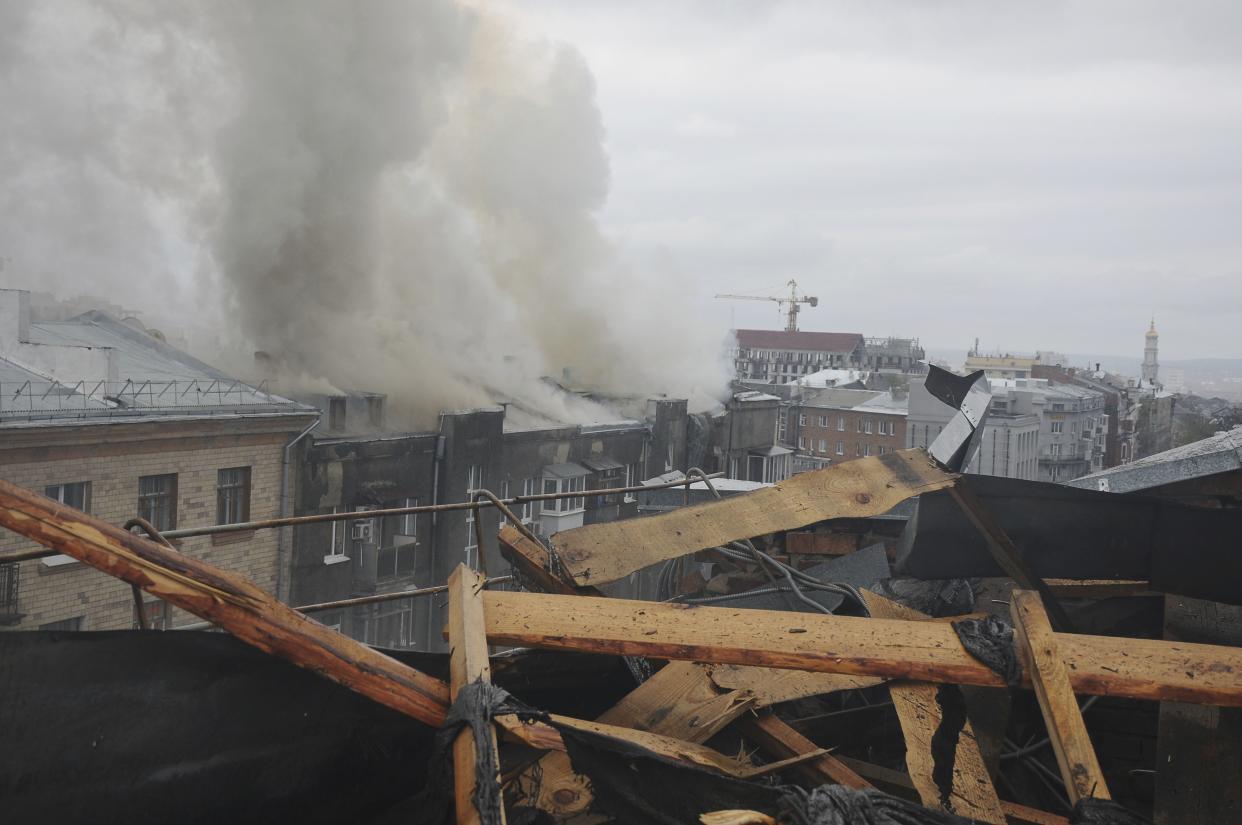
1220, 453
146, 377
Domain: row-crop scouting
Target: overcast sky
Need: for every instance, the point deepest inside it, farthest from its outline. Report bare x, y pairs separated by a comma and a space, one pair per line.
1040, 175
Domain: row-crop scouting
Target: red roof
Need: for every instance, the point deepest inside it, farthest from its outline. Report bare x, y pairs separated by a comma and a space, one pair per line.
810, 341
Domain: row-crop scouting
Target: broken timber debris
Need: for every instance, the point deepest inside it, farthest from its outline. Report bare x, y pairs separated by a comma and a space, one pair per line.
923, 651
602, 553
256, 617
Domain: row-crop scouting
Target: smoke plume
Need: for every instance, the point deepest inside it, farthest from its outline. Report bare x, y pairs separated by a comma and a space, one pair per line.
389, 196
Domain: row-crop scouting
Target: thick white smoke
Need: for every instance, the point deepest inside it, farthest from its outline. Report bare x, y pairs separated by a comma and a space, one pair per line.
391, 196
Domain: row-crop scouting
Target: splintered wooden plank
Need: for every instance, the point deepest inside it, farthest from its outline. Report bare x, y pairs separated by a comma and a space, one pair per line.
771, 686
777, 737
679, 700
225, 599
919, 712
601, 553
920, 651
530, 559
468, 664
1043, 660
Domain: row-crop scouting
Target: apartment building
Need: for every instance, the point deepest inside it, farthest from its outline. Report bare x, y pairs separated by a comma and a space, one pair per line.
833, 425
779, 356
143, 430
471, 450
484, 449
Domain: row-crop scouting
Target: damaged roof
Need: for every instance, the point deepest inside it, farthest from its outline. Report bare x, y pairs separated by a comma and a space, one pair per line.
1219, 453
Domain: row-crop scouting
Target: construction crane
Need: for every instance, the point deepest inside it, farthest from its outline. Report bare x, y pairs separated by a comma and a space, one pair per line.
791, 324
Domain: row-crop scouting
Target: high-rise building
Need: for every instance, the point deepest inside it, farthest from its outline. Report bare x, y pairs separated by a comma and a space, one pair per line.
1151, 366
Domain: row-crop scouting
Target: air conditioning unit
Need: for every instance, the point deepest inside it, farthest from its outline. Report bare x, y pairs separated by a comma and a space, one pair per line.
363, 530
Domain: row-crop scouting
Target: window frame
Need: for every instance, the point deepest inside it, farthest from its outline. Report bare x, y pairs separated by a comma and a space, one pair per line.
226, 492
56, 492
169, 495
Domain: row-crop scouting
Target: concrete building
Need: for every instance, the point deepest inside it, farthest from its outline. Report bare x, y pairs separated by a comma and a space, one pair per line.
470, 451
485, 449
779, 356
1000, 365
1008, 446
894, 356
1073, 424
744, 442
1140, 415
830, 426
106, 418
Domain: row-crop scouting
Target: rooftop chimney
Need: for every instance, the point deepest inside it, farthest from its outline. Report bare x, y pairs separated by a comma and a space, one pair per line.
14, 319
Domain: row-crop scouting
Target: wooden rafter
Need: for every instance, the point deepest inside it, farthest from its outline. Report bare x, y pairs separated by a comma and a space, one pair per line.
1042, 657
919, 713
468, 664
921, 651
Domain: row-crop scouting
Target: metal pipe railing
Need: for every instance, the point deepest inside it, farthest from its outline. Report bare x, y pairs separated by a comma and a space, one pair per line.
291, 521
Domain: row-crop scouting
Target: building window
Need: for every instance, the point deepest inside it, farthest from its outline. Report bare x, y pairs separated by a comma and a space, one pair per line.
823, 421
823, 445
631, 479
474, 481
605, 480
64, 624
530, 487
840, 448
866, 449
399, 540
504, 496
407, 525
390, 624
375, 411
858, 449
157, 500
801, 420
859, 424
840, 423
336, 413
867, 426
1055, 450
233, 495
336, 541
553, 485
76, 495
1057, 426
801, 443
156, 613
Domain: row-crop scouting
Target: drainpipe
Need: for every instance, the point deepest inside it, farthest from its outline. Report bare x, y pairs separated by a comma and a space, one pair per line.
282, 539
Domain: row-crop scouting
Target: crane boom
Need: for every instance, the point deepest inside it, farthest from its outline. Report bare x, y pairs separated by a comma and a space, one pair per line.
791, 323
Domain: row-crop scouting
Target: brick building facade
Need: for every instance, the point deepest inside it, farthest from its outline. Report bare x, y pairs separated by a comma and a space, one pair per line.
842, 425
101, 468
